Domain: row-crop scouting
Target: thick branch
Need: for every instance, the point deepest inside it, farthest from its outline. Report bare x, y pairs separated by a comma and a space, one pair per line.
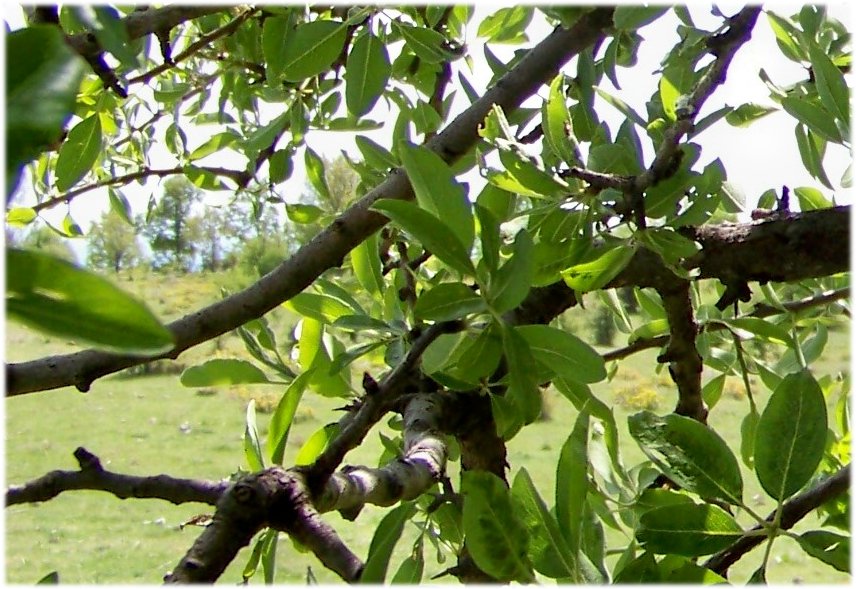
329, 247
93, 477
793, 511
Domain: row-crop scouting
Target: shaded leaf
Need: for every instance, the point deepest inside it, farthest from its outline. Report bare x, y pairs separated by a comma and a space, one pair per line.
833, 549
224, 371
384, 540
567, 355
56, 297
79, 152
366, 73
448, 301
252, 445
687, 529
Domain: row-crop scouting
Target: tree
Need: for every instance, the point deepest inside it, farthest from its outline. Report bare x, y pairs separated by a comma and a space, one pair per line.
460, 284
46, 239
172, 230
112, 244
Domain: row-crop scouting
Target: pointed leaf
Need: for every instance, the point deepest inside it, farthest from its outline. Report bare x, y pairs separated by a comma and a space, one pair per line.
384, 540
690, 453
280, 422
79, 152
252, 445
311, 48
448, 301
572, 482
566, 354
366, 73
548, 550
223, 371
833, 549
437, 191
791, 435
687, 529
597, 273
315, 444
510, 284
323, 308
496, 538
434, 234
522, 387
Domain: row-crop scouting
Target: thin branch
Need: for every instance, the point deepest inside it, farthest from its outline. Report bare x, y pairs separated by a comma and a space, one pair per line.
761, 310
196, 46
237, 175
331, 245
793, 511
92, 476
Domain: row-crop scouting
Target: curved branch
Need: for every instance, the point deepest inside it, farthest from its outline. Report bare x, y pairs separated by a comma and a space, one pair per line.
92, 476
792, 511
330, 246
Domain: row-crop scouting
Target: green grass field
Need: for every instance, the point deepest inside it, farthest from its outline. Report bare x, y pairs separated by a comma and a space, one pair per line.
150, 425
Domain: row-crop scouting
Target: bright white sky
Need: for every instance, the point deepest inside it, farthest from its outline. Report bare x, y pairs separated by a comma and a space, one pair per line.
756, 158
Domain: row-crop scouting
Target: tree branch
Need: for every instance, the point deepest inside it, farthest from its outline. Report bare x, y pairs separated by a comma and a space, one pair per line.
92, 476
792, 511
330, 246
236, 175
196, 46
761, 310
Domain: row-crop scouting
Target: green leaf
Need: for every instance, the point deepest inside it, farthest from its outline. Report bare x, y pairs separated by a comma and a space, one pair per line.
366, 73
811, 199
365, 261
309, 49
522, 387
214, 144
41, 89
316, 444
532, 178
281, 166
427, 44
807, 142
557, 123
20, 216
668, 244
690, 453
252, 446
496, 538
812, 116
687, 529
447, 301
315, 173
651, 329
597, 273
833, 549
746, 114
79, 152
567, 355
280, 422
323, 308
375, 155
437, 191
411, 569
120, 205
303, 214
481, 358
506, 25
383, 542
787, 38
677, 80
791, 435
434, 234
58, 298
572, 482
635, 17
622, 107
712, 391
224, 371
510, 284
547, 548
762, 328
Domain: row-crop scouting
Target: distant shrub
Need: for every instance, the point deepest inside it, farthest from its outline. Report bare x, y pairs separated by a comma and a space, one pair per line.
638, 398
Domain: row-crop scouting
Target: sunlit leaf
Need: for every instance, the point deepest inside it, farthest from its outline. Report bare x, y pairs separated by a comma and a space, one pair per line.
79, 152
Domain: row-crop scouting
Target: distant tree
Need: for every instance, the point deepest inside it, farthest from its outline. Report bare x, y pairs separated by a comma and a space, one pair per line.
46, 240
112, 244
170, 231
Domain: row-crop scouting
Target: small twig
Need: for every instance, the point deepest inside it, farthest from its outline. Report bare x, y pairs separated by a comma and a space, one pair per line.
792, 512
196, 46
761, 310
92, 476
